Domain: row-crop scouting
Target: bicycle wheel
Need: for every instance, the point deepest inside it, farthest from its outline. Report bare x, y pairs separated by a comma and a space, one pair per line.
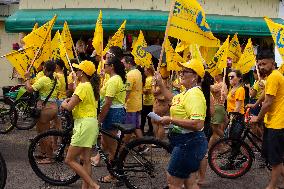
24, 119
3, 172
147, 167
54, 145
230, 158
8, 119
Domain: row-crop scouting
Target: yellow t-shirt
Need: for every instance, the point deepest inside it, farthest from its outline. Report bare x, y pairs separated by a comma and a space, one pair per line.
190, 104
232, 99
134, 85
88, 105
257, 88
62, 90
44, 85
148, 99
274, 118
38, 75
115, 88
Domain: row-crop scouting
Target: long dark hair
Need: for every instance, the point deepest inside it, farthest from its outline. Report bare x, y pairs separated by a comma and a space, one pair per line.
118, 67
61, 64
95, 82
117, 51
50, 68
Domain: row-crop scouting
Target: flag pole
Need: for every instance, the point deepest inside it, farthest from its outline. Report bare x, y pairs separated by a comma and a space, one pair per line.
37, 52
102, 45
224, 82
166, 33
75, 52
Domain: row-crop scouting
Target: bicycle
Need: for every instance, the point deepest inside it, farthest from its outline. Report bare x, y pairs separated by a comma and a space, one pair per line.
232, 158
3, 172
129, 166
8, 117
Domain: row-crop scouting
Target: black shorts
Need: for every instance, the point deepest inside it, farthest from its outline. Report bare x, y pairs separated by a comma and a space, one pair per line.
273, 146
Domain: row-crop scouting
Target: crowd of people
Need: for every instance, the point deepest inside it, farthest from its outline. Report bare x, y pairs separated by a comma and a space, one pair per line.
195, 109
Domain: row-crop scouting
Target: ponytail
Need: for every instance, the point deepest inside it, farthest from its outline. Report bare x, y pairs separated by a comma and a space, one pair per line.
118, 67
95, 82
50, 68
61, 64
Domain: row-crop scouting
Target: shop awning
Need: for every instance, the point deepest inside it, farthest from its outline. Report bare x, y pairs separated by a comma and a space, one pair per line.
85, 19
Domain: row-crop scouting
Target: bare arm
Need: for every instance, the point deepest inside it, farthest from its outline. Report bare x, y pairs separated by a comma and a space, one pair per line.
190, 124
252, 92
238, 106
70, 103
105, 108
269, 99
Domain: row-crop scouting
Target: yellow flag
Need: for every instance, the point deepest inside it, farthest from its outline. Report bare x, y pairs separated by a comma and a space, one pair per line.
277, 32
172, 58
141, 57
188, 23
247, 60
186, 54
117, 39
67, 40
195, 52
235, 51
41, 37
181, 46
21, 59
98, 35
58, 49
219, 61
35, 27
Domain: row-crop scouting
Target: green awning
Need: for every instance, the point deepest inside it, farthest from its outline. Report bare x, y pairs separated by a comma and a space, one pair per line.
85, 19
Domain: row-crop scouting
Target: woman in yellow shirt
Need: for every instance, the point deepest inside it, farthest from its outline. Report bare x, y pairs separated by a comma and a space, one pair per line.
235, 104
187, 115
83, 104
48, 113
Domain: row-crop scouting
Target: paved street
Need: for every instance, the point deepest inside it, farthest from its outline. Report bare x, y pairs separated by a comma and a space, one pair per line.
14, 147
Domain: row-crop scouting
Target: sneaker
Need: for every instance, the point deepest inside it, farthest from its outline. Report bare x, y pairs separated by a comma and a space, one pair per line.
143, 149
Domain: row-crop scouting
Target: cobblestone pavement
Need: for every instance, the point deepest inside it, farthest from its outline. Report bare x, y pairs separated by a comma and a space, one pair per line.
14, 147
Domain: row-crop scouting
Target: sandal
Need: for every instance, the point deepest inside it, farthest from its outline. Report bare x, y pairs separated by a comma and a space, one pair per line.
106, 179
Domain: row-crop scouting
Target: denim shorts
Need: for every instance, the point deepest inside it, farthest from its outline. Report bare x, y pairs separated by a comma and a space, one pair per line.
133, 118
188, 151
114, 115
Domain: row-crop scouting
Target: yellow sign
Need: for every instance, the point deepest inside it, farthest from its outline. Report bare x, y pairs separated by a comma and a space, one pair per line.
235, 51
98, 35
247, 60
67, 40
172, 58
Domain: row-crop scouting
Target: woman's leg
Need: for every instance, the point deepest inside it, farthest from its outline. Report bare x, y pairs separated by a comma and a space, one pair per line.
175, 182
86, 159
191, 183
72, 154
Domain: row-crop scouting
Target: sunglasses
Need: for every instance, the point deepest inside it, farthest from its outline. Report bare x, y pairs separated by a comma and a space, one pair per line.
231, 77
108, 53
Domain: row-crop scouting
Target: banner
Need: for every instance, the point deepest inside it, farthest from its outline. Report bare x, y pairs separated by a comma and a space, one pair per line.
219, 61
172, 58
21, 59
247, 60
141, 57
117, 38
58, 49
67, 41
98, 35
235, 51
277, 32
189, 24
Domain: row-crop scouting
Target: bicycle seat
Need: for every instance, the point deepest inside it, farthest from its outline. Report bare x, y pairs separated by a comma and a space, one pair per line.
125, 128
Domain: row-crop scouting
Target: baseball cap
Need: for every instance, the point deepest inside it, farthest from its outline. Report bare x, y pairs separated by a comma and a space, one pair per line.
196, 65
86, 66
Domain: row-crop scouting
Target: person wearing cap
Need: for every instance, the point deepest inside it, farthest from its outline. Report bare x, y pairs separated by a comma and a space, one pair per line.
187, 115
83, 104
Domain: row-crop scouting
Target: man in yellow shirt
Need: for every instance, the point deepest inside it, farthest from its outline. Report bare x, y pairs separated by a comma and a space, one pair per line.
134, 93
272, 111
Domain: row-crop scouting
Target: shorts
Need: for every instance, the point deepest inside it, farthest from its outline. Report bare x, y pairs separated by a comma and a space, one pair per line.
219, 115
114, 115
273, 146
188, 151
133, 118
85, 132
236, 125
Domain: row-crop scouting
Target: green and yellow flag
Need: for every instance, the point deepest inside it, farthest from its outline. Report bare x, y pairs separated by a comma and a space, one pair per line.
219, 61
98, 35
21, 59
247, 60
235, 51
58, 49
172, 58
67, 41
189, 24
41, 37
141, 57
117, 38
277, 32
